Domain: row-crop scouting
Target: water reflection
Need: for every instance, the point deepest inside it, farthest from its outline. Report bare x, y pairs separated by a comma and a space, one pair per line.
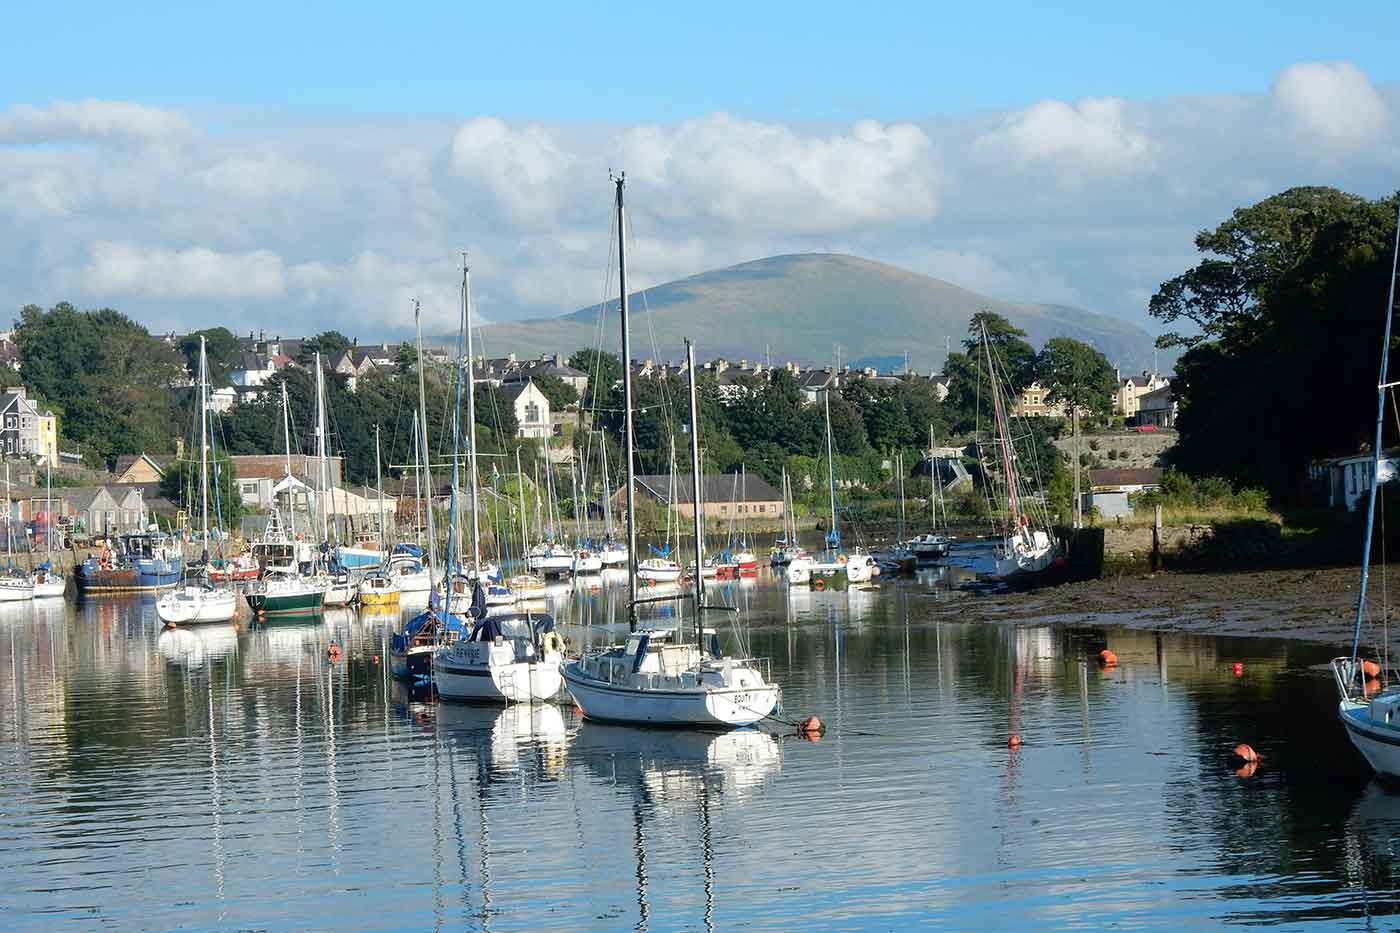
278, 780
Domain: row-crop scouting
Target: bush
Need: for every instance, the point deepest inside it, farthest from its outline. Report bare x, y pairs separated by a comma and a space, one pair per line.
1093, 444
1208, 492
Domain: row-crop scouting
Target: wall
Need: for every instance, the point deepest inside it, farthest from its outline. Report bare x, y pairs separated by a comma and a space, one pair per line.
1144, 450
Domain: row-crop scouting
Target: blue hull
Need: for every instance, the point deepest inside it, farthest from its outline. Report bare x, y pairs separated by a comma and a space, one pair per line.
91, 577
358, 558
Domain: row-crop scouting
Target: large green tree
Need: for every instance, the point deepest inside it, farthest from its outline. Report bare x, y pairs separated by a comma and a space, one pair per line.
1288, 303
1077, 374
604, 371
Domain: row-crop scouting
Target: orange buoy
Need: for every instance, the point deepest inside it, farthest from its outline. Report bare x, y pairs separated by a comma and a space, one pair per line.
1238, 669
1246, 753
1370, 668
811, 726
1014, 741
1372, 687
169, 623
1247, 769
818, 584
1107, 658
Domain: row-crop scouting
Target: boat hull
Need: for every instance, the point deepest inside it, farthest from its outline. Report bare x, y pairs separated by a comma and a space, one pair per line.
379, 598
358, 558
287, 604
146, 576
1378, 743
704, 708
184, 608
521, 682
413, 664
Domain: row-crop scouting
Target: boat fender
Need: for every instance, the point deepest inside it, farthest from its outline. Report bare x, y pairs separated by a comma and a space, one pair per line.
841, 559
818, 583
811, 726
333, 652
1370, 669
1014, 741
552, 641
1107, 658
1237, 669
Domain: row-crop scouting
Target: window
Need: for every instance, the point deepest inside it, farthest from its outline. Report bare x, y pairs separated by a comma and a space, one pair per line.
532, 413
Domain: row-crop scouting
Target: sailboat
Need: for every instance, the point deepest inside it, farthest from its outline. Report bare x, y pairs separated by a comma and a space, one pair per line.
833, 564
657, 677
506, 656
611, 553
333, 577
931, 546
378, 588
1369, 711
15, 584
283, 591
899, 557
199, 600
48, 582
660, 568
786, 549
1027, 547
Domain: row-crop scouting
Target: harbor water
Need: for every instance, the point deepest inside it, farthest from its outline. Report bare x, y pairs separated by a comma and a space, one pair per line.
232, 776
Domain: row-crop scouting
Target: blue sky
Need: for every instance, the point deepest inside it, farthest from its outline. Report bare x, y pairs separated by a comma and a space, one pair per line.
665, 61
302, 166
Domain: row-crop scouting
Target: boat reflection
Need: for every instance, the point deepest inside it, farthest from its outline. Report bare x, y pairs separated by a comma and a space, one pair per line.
191, 647
677, 764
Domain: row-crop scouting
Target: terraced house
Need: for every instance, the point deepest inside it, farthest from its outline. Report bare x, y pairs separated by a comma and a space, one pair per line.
25, 430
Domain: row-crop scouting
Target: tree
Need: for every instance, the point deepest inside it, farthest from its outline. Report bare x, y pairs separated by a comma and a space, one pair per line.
329, 344
1293, 285
406, 361
560, 394
1010, 351
221, 350
604, 371
1077, 375
180, 484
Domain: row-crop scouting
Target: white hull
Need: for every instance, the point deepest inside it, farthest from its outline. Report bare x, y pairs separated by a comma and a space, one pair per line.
339, 594
412, 581
860, 568
519, 682
590, 564
613, 556
694, 706
658, 571
196, 604
1378, 742
15, 589
1025, 554
53, 585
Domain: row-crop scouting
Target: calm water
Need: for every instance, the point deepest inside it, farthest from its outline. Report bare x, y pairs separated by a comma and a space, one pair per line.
233, 777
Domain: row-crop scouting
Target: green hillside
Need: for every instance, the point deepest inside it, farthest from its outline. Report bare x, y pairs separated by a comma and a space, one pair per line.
800, 307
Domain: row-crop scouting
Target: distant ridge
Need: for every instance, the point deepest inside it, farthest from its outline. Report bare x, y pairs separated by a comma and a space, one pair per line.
799, 307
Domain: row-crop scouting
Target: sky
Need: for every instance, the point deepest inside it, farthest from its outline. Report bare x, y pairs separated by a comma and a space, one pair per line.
294, 167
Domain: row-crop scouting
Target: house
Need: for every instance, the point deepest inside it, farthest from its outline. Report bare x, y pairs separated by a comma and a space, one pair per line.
1033, 402
258, 475
814, 382
252, 369
549, 365
1157, 407
1109, 489
724, 495
25, 431
352, 364
1130, 391
140, 468
104, 510
1347, 480
531, 409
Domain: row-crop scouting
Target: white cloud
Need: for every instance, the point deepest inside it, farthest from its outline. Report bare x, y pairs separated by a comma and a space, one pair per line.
256, 177
1333, 102
67, 121
748, 174
125, 269
1093, 133
521, 170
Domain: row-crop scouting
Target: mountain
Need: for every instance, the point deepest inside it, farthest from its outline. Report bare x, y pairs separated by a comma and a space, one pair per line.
799, 307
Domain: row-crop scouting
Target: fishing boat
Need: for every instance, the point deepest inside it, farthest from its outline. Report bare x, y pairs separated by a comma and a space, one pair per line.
285, 594
141, 561
235, 570
1369, 706
199, 600
365, 550
377, 589
655, 677
1027, 548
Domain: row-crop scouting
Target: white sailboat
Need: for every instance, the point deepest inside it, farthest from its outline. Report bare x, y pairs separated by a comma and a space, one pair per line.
1368, 708
1027, 548
657, 678
512, 657
340, 589
200, 600
48, 582
15, 585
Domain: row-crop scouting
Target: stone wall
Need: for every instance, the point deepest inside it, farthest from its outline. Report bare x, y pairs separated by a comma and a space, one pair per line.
1142, 450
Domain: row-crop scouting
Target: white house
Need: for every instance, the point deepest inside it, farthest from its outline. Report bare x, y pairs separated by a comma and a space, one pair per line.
531, 409
253, 369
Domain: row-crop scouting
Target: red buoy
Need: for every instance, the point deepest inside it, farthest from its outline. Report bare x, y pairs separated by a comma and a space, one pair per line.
1238, 668
333, 652
1370, 668
811, 726
1014, 741
1107, 658
1245, 753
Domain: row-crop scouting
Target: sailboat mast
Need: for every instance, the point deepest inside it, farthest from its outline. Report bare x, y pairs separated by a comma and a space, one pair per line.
1376, 455
695, 497
834, 536
471, 413
204, 440
323, 476
423, 448
291, 484
379, 491
607, 489
524, 516
619, 182
1003, 438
